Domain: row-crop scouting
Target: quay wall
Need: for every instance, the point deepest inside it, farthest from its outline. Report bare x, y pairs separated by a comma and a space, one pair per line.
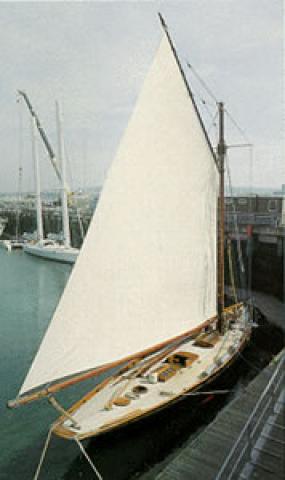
253, 224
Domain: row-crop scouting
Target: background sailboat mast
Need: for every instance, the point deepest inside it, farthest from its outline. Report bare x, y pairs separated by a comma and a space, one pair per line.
221, 261
40, 232
61, 156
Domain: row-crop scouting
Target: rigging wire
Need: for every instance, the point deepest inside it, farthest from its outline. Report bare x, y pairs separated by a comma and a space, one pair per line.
212, 95
236, 230
203, 83
212, 117
249, 203
250, 229
244, 135
238, 127
213, 124
240, 256
204, 103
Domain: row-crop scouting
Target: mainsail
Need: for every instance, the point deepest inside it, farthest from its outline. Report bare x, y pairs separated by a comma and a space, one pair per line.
147, 269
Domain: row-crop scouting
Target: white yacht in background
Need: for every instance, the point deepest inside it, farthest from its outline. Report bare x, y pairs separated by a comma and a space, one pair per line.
48, 248
51, 250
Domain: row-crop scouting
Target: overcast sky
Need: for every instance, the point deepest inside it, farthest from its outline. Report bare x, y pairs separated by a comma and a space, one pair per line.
93, 56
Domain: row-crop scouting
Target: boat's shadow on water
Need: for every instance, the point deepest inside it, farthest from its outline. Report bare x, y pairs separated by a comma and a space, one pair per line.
126, 453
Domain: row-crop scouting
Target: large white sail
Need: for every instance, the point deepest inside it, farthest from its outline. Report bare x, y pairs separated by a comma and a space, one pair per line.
147, 268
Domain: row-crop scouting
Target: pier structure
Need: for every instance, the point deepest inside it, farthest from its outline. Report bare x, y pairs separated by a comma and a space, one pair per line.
246, 440
255, 224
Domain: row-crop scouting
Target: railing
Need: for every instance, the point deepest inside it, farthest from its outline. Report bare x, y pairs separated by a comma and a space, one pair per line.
242, 448
254, 219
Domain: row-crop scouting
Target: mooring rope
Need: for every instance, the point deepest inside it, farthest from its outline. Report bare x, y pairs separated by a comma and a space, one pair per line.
82, 449
99, 476
44, 451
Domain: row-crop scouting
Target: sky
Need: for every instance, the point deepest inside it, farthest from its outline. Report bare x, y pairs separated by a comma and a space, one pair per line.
93, 57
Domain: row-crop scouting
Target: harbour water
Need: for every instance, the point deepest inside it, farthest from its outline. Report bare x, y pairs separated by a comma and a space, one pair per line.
29, 291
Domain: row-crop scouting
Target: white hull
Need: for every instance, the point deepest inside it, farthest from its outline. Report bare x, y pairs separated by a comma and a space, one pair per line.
57, 253
95, 414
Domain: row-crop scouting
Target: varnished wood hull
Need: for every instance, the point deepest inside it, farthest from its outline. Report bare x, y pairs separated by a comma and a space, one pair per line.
137, 415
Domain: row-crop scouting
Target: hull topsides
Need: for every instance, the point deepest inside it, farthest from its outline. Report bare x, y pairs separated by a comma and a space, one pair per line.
150, 386
57, 254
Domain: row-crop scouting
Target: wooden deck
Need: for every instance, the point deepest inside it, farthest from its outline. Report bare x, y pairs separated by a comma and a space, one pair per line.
204, 458
263, 458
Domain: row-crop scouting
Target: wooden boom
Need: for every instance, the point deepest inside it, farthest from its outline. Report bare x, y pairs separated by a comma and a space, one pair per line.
39, 394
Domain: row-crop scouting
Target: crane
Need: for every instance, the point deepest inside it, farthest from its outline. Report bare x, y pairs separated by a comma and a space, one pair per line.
43, 135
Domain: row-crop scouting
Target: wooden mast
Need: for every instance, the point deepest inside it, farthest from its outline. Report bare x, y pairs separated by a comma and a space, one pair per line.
221, 150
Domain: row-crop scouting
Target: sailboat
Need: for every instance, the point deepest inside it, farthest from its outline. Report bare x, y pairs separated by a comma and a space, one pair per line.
48, 248
141, 301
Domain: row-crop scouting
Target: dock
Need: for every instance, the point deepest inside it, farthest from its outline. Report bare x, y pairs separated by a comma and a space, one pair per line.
273, 309
246, 440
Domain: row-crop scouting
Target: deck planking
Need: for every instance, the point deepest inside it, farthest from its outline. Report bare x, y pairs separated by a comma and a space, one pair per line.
204, 457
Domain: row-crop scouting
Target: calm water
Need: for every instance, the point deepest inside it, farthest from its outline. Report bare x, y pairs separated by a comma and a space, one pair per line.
29, 291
